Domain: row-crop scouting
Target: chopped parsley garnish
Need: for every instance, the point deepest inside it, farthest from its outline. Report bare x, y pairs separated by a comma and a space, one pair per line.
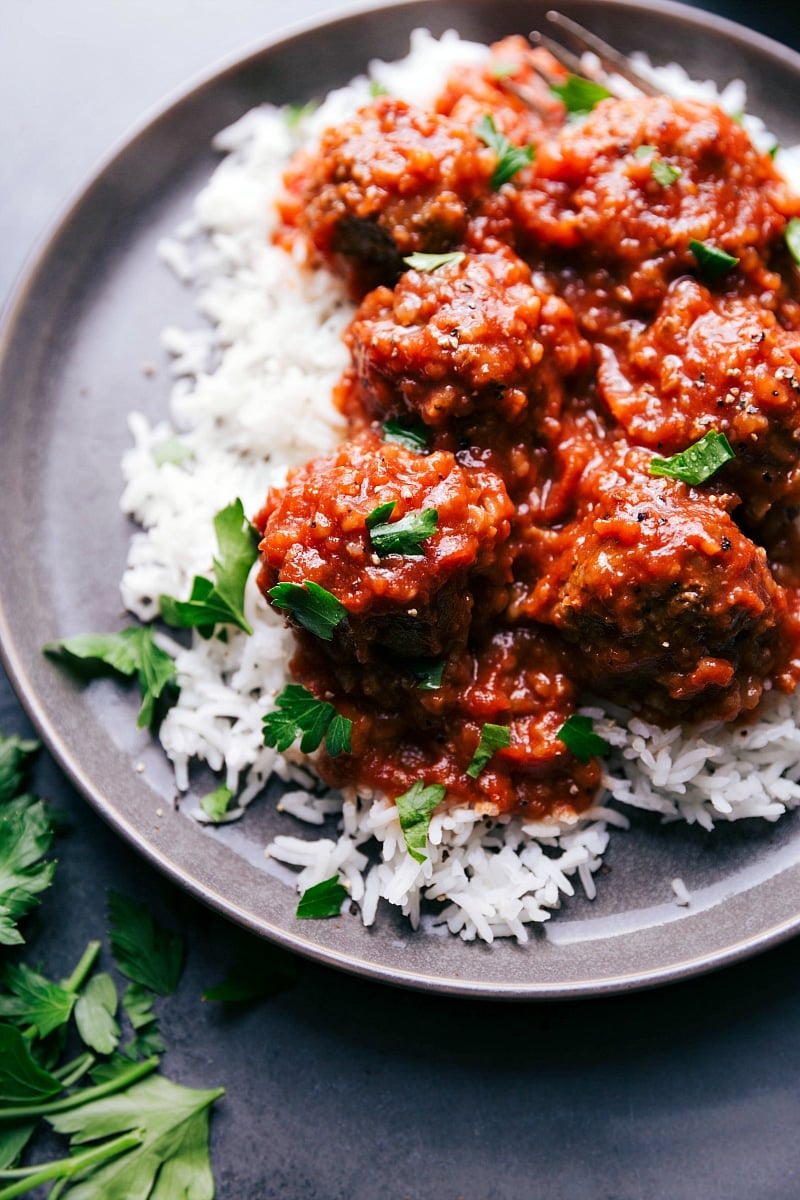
295, 114
312, 606
380, 515
220, 602
663, 172
428, 673
510, 158
430, 262
415, 809
172, 450
493, 737
697, 462
580, 739
792, 238
324, 899
130, 652
579, 96
400, 537
502, 70
298, 714
414, 435
712, 261
376, 89
215, 804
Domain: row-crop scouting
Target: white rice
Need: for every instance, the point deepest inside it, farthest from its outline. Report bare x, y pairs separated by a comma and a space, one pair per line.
251, 396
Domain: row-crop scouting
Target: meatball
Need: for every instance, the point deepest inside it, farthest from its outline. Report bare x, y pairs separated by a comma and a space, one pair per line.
515, 678
673, 608
640, 179
410, 597
509, 85
391, 182
718, 363
473, 335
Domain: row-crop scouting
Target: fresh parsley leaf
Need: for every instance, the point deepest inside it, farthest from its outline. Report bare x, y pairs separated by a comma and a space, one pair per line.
273, 971
377, 89
381, 514
130, 652
171, 1157
414, 435
792, 238
172, 450
312, 606
404, 536
713, 262
14, 1137
663, 172
143, 951
22, 1080
298, 714
26, 834
147, 1043
579, 96
503, 70
580, 739
33, 1002
15, 754
415, 809
215, 804
296, 114
697, 462
431, 262
493, 737
95, 1012
137, 1001
322, 900
510, 158
220, 602
429, 672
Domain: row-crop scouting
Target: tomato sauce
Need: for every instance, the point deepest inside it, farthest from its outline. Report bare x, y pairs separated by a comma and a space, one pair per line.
518, 388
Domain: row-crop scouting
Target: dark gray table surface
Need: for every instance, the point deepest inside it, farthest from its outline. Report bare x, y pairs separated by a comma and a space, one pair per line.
339, 1089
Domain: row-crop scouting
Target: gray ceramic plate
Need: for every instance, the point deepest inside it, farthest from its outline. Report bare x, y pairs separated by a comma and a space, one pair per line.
78, 333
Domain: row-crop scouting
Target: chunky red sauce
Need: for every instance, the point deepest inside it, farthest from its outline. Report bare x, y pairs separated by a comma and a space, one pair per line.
573, 336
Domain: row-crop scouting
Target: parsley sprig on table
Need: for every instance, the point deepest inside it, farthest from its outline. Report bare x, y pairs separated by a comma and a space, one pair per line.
26, 833
578, 95
131, 1130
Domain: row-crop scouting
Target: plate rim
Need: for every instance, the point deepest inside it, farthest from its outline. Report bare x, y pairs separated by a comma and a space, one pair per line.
14, 307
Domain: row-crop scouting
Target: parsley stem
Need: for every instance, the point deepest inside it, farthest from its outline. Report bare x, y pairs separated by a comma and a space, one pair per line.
64, 1168
71, 1072
135, 1072
83, 969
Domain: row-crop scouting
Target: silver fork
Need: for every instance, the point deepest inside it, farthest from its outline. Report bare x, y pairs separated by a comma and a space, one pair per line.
610, 60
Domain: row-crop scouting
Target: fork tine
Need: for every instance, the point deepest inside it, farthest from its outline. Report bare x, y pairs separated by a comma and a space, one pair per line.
567, 59
610, 59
